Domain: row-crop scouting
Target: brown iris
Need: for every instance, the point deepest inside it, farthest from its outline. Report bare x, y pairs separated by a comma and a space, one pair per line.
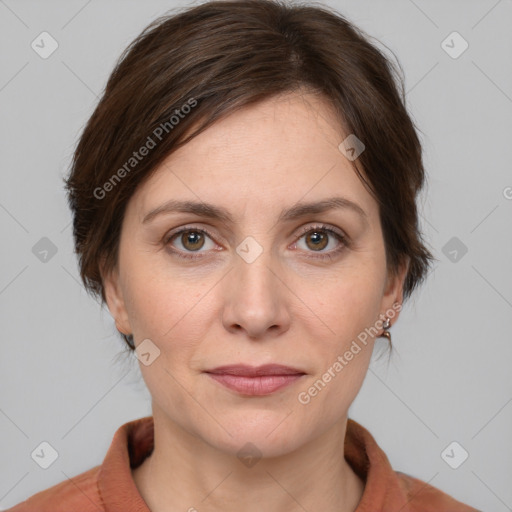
319, 240
192, 240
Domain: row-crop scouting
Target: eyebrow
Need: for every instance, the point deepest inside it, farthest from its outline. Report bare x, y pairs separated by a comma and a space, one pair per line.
297, 211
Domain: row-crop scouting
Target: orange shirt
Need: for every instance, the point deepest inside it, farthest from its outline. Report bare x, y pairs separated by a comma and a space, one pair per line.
111, 488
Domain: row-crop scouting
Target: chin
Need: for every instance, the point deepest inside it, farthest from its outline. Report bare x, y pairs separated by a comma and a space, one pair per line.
263, 432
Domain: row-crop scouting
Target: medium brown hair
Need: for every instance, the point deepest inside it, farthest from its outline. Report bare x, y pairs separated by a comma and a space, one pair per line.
194, 67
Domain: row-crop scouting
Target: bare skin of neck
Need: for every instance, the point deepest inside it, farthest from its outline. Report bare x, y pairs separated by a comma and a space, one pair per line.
185, 474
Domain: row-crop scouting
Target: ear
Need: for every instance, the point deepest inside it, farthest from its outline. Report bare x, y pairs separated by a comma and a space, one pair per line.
394, 289
115, 299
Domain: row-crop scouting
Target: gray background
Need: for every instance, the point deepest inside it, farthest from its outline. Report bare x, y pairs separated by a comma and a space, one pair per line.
64, 376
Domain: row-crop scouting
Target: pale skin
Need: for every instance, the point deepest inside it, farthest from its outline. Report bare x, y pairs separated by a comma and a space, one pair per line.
289, 306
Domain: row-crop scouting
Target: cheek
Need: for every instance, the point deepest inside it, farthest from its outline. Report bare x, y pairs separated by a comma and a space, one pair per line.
156, 296
173, 313
349, 303
349, 308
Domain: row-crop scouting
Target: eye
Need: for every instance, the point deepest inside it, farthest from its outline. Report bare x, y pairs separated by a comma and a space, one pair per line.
317, 238
192, 240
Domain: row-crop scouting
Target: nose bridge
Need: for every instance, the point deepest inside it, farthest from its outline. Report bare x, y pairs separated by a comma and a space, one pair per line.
255, 282
255, 274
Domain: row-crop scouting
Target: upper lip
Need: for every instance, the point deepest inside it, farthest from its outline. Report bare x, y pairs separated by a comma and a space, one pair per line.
255, 371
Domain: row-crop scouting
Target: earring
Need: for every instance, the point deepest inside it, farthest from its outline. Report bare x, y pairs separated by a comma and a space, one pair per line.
386, 333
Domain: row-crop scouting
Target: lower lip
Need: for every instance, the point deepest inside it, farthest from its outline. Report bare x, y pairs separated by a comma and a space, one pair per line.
261, 385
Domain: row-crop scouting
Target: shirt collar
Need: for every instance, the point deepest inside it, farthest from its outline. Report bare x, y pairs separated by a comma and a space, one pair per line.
134, 441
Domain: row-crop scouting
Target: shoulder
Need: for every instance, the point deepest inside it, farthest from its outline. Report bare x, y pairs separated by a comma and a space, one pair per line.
106, 486
389, 489
76, 493
423, 497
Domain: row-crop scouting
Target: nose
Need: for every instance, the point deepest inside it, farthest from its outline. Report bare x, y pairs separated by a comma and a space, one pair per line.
256, 300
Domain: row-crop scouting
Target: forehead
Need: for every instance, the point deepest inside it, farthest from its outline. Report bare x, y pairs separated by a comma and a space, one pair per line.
259, 159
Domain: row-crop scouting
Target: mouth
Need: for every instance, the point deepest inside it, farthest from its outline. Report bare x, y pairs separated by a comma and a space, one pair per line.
255, 380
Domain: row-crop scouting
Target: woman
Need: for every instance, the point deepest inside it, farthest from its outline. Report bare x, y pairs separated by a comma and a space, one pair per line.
244, 201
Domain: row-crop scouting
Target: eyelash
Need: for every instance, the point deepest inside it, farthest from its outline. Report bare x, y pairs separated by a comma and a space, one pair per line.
319, 227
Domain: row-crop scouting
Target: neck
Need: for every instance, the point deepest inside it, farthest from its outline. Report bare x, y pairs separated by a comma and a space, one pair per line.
185, 473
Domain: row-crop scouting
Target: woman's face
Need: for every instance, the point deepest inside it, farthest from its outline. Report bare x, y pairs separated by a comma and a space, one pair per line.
266, 284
